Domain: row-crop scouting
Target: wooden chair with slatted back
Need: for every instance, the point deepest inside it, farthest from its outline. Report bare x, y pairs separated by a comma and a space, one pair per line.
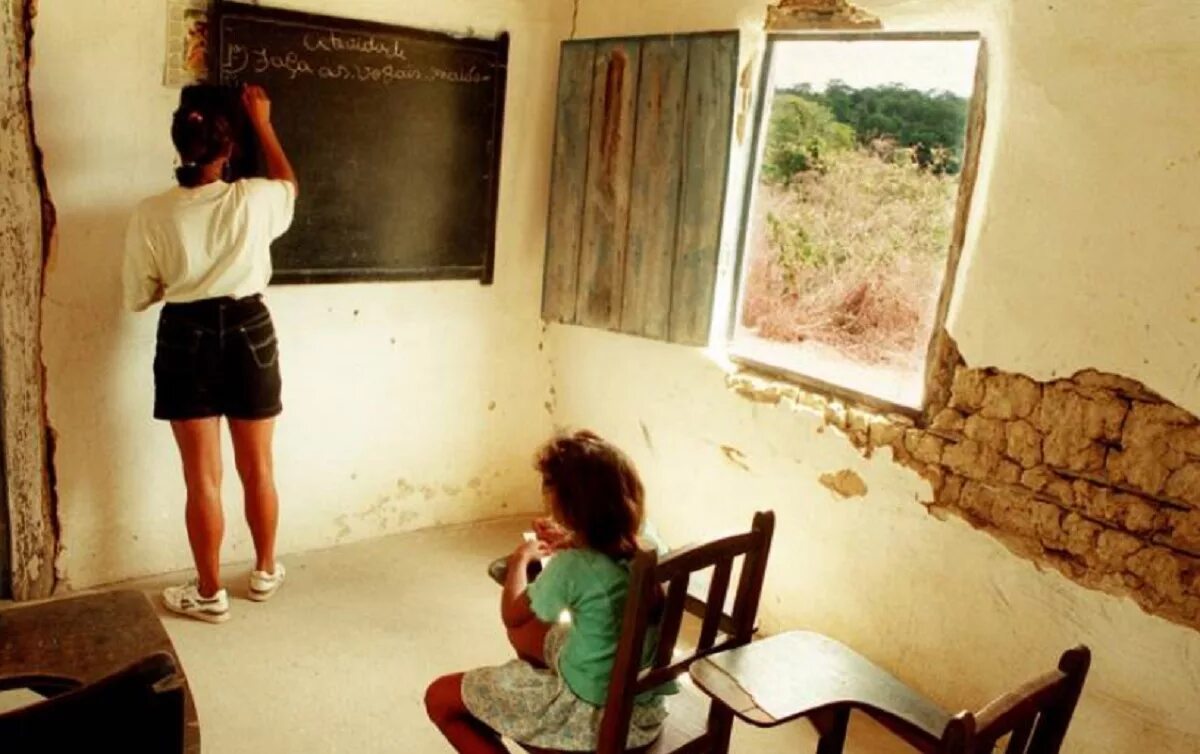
1035, 716
694, 725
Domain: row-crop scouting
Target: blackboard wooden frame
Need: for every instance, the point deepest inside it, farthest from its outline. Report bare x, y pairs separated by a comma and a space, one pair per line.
497, 46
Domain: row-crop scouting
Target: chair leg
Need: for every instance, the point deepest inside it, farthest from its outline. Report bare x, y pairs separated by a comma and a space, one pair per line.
720, 728
833, 738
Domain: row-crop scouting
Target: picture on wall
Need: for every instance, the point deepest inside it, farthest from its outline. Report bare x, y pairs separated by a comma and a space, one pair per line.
187, 42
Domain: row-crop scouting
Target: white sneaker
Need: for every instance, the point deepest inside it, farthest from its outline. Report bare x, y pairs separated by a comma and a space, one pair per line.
263, 584
186, 600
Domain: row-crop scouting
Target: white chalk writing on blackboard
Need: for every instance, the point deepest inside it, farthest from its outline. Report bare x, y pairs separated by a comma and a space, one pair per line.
240, 59
332, 42
466, 76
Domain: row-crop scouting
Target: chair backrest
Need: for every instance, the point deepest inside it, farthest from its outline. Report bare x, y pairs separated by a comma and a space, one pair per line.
1034, 716
137, 709
647, 575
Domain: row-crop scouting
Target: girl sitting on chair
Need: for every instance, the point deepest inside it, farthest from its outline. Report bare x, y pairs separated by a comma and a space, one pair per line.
552, 696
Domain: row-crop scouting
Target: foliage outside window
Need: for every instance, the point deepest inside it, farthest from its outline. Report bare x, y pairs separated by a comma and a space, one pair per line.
861, 148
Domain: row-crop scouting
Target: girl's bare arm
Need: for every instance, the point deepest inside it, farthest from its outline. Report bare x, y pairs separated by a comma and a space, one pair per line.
515, 609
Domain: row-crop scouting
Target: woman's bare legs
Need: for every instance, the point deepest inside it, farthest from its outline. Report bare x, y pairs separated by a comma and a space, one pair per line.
199, 442
256, 467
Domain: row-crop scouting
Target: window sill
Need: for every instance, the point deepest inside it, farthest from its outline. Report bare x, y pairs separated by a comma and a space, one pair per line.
765, 383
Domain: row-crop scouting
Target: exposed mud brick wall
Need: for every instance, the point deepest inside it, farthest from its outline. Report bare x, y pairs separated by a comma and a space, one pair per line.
1094, 475
818, 14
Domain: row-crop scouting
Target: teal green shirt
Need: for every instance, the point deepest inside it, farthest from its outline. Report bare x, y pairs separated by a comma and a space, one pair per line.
591, 587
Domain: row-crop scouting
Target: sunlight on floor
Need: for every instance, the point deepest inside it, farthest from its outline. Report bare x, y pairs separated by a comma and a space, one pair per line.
339, 660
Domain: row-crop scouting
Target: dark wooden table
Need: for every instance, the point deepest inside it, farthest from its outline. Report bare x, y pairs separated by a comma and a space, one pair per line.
800, 674
86, 638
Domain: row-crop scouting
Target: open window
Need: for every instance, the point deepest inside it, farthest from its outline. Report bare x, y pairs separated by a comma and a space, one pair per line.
865, 157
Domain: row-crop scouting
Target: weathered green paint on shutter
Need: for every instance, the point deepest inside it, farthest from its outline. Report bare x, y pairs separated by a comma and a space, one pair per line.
610, 162
568, 181
712, 71
654, 196
640, 164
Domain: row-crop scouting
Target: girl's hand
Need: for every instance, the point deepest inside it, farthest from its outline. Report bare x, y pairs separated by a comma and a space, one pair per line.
552, 534
528, 552
258, 106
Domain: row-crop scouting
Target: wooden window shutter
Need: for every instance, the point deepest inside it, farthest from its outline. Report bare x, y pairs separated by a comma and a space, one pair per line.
641, 156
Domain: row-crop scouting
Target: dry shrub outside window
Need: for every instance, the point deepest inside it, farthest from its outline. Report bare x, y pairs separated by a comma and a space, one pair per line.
851, 257
850, 231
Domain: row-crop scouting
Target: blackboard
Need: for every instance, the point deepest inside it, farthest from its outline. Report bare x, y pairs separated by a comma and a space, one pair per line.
394, 134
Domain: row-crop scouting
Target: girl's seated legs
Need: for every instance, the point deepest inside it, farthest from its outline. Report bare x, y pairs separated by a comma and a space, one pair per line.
445, 707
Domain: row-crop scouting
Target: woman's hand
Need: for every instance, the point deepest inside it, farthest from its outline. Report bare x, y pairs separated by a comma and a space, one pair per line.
257, 104
258, 110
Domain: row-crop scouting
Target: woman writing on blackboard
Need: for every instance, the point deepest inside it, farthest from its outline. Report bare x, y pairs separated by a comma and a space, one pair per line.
203, 248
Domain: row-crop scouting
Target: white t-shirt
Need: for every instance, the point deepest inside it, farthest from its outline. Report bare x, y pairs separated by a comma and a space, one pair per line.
187, 244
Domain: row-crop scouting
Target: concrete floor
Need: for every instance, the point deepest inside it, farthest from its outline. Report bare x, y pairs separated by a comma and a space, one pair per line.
338, 661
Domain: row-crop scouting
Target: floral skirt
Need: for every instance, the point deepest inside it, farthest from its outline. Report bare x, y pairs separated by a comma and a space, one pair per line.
534, 706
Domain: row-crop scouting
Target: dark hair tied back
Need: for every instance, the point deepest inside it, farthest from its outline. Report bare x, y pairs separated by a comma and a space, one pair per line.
202, 131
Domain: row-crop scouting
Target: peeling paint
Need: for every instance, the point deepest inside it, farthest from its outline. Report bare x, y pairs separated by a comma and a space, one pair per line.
611, 118
845, 483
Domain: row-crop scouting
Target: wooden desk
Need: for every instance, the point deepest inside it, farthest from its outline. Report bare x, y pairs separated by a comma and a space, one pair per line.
82, 639
804, 674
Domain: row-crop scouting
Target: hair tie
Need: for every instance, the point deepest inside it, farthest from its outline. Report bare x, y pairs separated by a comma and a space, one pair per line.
195, 117
190, 164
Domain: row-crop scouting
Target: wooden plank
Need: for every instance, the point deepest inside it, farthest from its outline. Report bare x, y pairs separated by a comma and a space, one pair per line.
654, 194
716, 602
939, 368
606, 205
671, 621
568, 180
712, 73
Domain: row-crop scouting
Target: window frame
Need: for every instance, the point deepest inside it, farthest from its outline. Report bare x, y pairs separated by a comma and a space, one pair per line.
976, 121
